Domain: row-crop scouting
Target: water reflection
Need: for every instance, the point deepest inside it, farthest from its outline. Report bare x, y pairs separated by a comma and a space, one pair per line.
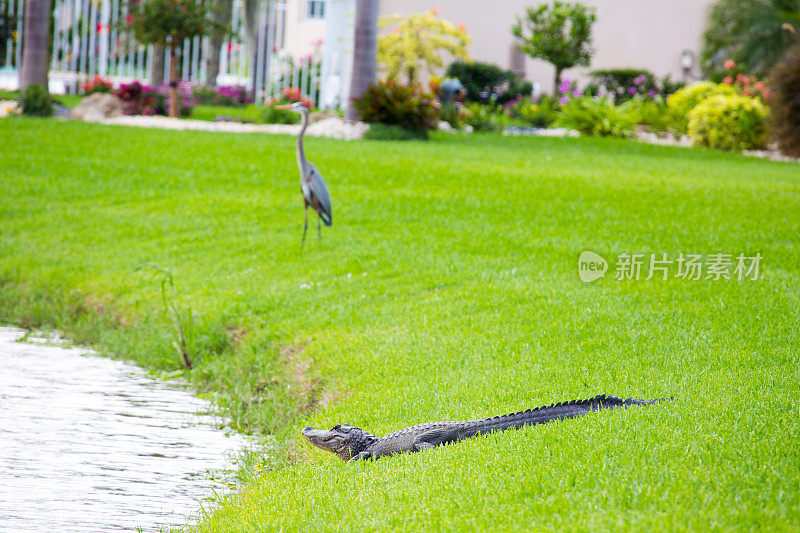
91, 444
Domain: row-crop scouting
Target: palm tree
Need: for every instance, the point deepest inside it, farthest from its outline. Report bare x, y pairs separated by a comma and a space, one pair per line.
753, 33
36, 43
365, 51
251, 13
222, 13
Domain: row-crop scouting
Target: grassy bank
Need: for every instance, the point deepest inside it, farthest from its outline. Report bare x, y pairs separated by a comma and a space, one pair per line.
446, 289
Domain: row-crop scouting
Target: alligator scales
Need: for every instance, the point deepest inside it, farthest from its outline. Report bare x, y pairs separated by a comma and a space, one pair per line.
352, 444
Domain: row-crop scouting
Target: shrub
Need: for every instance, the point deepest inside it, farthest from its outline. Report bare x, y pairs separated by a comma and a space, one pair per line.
392, 132
272, 115
484, 117
729, 122
389, 102
624, 83
596, 116
684, 100
485, 82
96, 85
449, 112
652, 113
539, 114
785, 104
228, 95
36, 101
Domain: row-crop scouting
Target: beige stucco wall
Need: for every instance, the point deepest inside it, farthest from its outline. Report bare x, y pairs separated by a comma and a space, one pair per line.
302, 34
647, 34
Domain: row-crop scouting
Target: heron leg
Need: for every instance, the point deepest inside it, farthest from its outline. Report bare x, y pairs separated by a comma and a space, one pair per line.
305, 226
319, 231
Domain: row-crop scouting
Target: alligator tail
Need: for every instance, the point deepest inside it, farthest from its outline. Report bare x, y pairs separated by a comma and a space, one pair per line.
558, 411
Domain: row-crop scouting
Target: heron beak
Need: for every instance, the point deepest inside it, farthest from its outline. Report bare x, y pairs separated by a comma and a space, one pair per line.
287, 106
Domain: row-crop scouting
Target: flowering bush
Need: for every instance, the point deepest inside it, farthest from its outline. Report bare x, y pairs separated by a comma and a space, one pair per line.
683, 101
729, 122
567, 90
96, 85
138, 99
291, 96
227, 95
623, 84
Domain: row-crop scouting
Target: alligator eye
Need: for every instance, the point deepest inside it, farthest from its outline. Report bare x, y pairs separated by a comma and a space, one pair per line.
337, 426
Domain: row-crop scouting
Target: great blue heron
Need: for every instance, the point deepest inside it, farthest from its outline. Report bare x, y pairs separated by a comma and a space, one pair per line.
315, 192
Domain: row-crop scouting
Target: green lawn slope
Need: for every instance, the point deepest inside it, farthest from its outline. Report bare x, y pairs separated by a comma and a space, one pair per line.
447, 288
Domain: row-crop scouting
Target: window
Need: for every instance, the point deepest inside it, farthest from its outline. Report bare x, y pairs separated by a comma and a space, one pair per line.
316, 9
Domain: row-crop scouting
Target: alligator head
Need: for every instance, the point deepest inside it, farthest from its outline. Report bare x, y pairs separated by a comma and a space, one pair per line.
343, 440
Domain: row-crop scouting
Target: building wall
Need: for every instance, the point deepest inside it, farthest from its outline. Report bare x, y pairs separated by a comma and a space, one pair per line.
303, 34
648, 34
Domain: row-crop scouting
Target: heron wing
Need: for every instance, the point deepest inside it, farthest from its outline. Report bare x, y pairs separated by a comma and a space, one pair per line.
319, 189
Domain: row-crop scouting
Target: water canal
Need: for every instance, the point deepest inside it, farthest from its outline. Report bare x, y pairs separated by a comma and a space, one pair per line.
88, 443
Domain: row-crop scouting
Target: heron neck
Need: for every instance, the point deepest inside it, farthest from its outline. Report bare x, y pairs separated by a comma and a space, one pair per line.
301, 155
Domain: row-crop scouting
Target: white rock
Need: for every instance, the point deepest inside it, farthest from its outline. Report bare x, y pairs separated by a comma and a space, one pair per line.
98, 107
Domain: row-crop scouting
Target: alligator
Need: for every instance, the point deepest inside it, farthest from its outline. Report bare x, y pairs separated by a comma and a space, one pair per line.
350, 443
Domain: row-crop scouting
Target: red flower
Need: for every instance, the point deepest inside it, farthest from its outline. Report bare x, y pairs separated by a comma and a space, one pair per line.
129, 19
729, 64
728, 80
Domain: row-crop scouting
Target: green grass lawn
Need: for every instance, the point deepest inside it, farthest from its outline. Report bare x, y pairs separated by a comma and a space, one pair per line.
447, 288
250, 113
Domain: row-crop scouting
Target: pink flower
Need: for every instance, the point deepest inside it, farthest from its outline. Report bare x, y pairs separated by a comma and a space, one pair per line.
729, 64
728, 80
434, 11
461, 26
563, 100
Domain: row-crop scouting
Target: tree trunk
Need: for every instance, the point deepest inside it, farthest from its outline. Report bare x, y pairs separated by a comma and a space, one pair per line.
173, 82
36, 44
223, 11
557, 83
157, 72
365, 52
251, 13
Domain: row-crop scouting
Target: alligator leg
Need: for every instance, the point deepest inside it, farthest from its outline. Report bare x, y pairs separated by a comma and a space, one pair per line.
435, 437
361, 457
